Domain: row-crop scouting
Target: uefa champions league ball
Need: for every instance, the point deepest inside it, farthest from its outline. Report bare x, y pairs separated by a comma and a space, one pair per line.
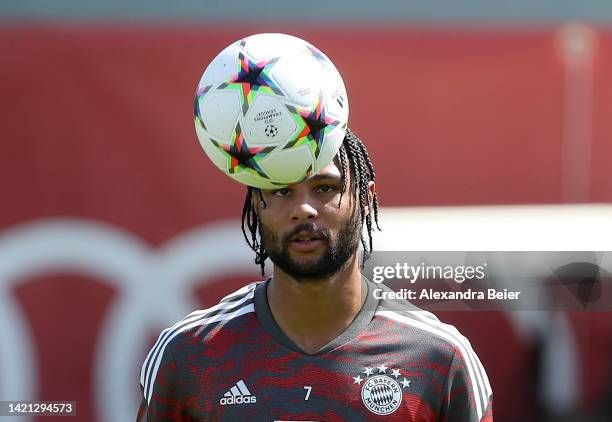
270, 110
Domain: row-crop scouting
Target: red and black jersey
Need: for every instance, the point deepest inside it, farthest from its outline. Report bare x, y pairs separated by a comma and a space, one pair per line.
232, 362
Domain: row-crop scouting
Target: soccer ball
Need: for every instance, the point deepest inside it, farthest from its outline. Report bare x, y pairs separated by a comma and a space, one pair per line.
270, 110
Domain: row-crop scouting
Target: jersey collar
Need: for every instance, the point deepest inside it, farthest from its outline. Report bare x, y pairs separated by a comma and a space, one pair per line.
360, 323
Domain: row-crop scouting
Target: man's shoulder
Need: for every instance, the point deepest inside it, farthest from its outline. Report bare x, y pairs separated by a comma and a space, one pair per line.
424, 325
199, 324
231, 307
197, 328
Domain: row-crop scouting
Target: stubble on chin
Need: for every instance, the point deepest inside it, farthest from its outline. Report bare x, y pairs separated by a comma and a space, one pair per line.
335, 256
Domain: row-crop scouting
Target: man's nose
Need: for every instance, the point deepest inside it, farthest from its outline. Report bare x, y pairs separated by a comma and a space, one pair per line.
303, 208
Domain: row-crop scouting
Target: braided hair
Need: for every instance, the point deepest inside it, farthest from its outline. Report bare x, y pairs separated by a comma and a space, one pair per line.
352, 157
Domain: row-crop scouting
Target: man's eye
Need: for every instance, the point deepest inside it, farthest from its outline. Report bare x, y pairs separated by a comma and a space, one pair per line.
281, 192
327, 188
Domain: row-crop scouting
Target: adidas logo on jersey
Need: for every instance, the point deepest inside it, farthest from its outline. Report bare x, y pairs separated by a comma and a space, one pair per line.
238, 394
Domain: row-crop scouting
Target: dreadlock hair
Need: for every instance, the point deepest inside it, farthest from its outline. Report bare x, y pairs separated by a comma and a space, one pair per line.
352, 157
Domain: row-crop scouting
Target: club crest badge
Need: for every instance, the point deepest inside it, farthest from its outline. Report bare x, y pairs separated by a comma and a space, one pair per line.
381, 392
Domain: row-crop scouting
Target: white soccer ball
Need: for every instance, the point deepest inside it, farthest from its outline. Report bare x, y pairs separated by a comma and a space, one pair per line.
271, 109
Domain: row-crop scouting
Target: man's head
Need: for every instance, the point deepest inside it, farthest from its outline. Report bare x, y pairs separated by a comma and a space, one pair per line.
310, 229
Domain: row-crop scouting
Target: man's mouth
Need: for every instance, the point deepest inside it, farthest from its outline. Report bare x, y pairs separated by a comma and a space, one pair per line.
306, 241
306, 236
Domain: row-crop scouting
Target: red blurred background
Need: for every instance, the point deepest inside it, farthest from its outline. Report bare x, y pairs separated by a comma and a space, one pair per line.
97, 128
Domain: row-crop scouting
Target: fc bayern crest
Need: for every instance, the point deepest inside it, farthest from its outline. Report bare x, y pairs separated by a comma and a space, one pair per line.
381, 393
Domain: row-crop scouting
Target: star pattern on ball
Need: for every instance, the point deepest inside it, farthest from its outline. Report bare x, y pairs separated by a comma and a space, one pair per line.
252, 78
318, 55
382, 369
240, 156
368, 371
395, 373
323, 60
357, 380
314, 124
405, 383
197, 113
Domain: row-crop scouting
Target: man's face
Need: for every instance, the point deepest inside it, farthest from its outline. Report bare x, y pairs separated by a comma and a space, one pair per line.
304, 231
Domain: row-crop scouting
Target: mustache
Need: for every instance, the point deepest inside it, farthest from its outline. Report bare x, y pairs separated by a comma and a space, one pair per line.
307, 227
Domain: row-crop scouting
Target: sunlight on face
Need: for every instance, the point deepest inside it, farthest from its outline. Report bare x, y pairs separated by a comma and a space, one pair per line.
305, 231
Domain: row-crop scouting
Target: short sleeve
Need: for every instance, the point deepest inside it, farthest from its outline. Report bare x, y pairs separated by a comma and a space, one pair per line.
467, 395
160, 399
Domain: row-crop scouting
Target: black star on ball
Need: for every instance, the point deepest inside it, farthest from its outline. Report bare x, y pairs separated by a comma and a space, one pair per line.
240, 155
316, 122
252, 77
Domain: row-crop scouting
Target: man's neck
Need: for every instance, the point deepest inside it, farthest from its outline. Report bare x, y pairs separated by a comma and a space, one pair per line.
314, 312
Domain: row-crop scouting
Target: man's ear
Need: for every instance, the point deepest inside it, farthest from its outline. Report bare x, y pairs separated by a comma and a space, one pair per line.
371, 191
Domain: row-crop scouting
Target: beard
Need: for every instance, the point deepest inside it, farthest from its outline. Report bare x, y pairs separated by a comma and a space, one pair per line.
335, 256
